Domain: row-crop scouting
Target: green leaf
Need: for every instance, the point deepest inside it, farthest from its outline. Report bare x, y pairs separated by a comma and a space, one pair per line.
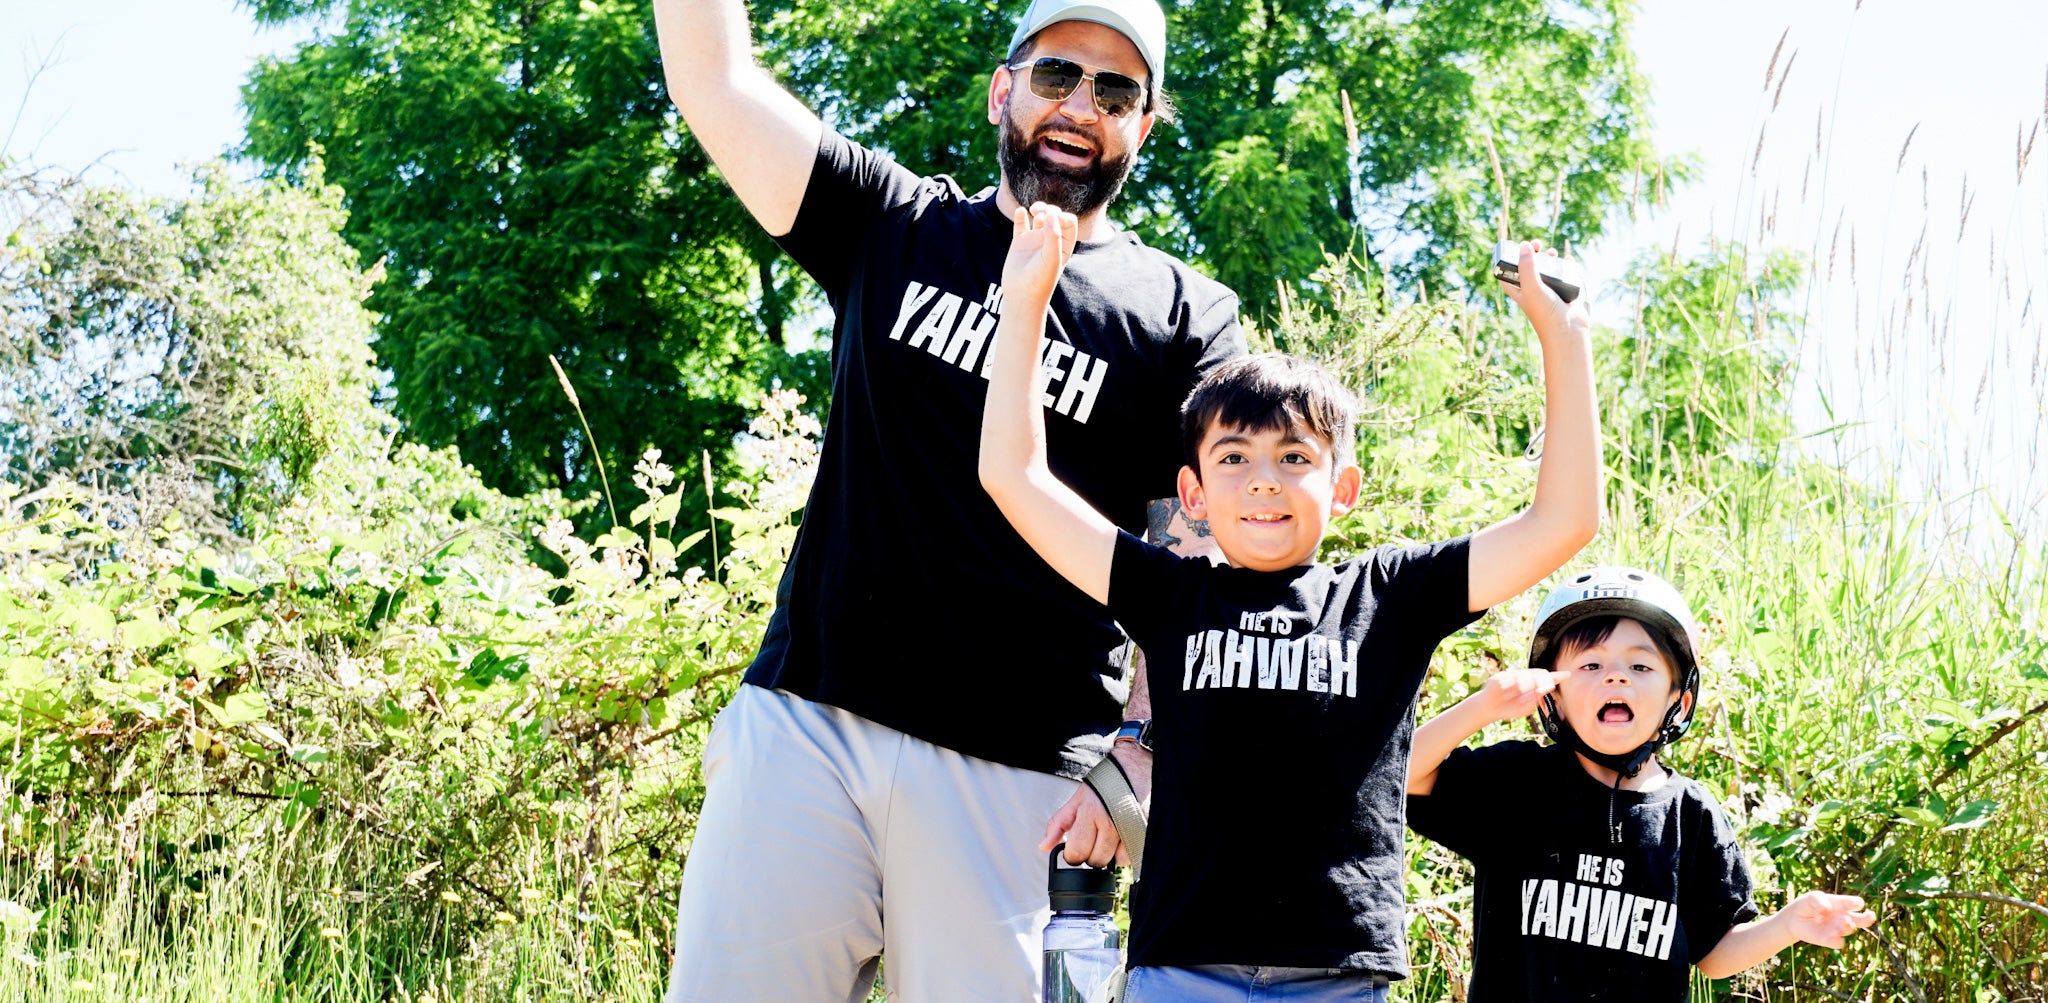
617, 536
204, 657
239, 708
487, 668
591, 574
1974, 815
27, 673
1917, 815
203, 622
1925, 881
246, 705
667, 506
143, 635
90, 620
1827, 809
661, 550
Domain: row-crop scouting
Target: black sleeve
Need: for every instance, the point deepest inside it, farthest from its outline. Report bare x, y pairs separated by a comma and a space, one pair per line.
1714, 883
1149, 585
1206, 335
1431, 584
851, 186
1214, 336
1466, 811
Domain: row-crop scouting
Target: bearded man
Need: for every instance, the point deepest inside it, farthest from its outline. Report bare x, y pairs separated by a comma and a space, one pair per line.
929, 690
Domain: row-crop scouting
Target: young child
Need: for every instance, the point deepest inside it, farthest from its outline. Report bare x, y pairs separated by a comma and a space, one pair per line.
1283, 690
1602, 875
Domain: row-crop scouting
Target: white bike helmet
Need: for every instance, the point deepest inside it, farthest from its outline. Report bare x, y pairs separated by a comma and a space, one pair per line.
1646, 599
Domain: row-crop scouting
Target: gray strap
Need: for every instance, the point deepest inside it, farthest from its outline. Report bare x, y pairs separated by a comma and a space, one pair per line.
1126, 812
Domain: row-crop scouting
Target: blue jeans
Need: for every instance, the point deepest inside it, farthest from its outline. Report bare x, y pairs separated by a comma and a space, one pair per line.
1251, 984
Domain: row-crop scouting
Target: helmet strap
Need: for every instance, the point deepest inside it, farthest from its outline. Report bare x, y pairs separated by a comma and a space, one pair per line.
1624, 764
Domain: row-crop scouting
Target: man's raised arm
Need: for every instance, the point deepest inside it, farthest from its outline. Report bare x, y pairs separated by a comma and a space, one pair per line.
761, 137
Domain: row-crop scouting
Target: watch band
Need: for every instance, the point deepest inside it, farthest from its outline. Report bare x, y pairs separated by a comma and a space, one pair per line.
1137, 731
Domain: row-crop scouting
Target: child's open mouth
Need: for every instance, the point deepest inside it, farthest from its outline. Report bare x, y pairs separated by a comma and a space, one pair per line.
1266, 518
1616, 712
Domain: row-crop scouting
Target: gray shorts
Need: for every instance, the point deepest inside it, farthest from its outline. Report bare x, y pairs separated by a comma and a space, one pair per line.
1251, 984
817, 823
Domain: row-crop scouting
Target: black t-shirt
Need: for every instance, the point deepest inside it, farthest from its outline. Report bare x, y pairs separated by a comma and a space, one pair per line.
1283, 703
909, 600
1564, 913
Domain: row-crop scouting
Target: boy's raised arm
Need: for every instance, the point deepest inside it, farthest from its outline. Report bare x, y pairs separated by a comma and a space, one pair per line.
1517, 552
1060, 525
1505, 697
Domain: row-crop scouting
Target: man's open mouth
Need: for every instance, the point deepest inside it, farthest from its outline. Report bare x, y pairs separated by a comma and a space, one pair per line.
1616, 712
1067, 147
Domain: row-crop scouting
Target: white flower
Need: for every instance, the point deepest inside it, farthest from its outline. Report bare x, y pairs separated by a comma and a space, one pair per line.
651, 475
1771, 810
560, 536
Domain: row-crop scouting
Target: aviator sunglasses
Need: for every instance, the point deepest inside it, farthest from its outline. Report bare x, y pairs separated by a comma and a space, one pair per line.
1055, 79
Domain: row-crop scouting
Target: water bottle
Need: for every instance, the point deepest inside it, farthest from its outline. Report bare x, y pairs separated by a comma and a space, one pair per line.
1083, 950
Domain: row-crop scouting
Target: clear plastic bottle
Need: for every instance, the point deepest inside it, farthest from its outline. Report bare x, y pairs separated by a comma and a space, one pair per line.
1083, 948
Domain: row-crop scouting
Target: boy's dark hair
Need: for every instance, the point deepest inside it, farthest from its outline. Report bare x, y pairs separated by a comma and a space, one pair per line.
1269, 392
1596, 629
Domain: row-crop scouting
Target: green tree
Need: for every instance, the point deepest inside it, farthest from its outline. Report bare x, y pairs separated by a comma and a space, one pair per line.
520, 170
1261, 177
521, 173
199, 355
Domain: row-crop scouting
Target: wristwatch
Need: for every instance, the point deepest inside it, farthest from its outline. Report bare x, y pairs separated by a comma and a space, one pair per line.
1139, 732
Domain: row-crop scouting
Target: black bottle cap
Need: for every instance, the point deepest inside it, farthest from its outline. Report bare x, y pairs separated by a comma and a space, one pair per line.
1080, 888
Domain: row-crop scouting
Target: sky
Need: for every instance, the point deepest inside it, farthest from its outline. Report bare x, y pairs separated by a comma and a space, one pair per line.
1937, 377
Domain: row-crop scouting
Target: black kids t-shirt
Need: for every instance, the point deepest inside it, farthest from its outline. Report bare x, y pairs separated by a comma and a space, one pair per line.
908, 598
1564, 913
1283, 703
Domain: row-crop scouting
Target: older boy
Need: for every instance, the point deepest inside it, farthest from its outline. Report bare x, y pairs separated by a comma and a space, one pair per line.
1293, 706
1617, 875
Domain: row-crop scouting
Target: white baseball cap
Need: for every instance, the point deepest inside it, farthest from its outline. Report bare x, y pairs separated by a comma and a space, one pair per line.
1141, 21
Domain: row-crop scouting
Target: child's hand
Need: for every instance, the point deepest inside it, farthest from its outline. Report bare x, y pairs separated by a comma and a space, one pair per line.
1550, 315
1041, 240
1514, 693
1824, 919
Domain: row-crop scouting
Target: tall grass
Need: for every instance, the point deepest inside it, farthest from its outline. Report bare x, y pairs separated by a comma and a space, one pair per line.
220, 904
1874, 719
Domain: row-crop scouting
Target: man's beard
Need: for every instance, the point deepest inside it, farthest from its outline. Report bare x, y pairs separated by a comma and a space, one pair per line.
1078, 190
